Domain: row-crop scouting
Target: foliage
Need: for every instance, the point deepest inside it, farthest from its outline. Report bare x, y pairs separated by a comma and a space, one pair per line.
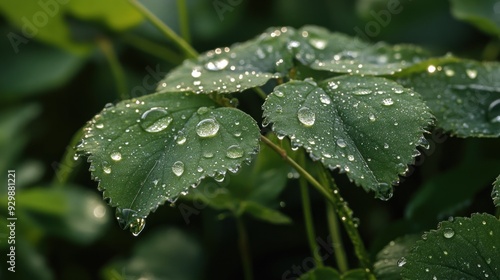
241, 129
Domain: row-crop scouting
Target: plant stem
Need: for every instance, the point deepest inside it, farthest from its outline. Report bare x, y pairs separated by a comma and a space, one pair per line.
333, 227
183, 20
244, 249
65, 169
152, 48
337, 202
260, 92
116, 68
306, 208
167, 31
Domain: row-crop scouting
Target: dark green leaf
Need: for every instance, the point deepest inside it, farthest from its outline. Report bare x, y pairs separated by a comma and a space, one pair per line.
465, 248
323, 273
367, 127
495, 194
483, 14
264, 213
163, 254
357, 274
150, 150
463, 95
390, 260
335, 52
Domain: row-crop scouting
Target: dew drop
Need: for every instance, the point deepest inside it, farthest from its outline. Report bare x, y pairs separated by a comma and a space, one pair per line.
449, 72
387, 102
318, 43
217, 65
494, 111
401, 262
448, 233
278, 93
207, 128
350, 157
181, 140
208, 155
202, 110
372, 117
384, 191
471, 73
106, 169
341, 143
99, 125
116, 156
234, 151
128, 218
155, 120
362, 92
431, 69
386, 146
219, 177
306, 116
178, 168
325, 99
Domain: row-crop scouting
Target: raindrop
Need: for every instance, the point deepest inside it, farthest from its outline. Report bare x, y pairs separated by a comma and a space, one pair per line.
449, 72
333, 85
99, 125
386, 146
431, 69
217, 65
384, 191
234, 151
401, 262
306, 116
424, 143
116, 156
448, 233
196, 73
278, 93
350, 157
494, 111
181, 139
207, 128
362, 92
178, 168
325, 99
128, 218
471, 73
202, 110
106, 168
341, 143
318, 43
208, 155
372, 117
155, 120
219, 177
387, 102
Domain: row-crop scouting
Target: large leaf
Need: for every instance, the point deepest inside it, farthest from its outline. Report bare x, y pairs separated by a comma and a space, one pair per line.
391, 259
149, 150
483, 14
270, 55
463, 95
465, 248
367, 127
495, 194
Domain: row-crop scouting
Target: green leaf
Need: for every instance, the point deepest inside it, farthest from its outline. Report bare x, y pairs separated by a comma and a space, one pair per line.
495, 194
389, 261
367, 127
163, 254
242, 66
323, 273
442, 196
152, 149
465, 248
482, 14
264, 213
335, 52
357, 274
116, 14
47, 68
463, 95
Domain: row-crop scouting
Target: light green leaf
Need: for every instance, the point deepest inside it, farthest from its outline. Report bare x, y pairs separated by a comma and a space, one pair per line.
163, 254
335, 52
495, 194
367, 127
152, 149
389, 261
323, 273
465, 248
482, 14
264, 213
116, 14
463, 95
234, 69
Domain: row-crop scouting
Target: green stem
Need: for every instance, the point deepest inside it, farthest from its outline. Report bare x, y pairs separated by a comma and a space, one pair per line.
337, 202
152, 48
333, 227
65, 169
244, 249
116, 68
183, 20
260, 92
308, 217
169, 33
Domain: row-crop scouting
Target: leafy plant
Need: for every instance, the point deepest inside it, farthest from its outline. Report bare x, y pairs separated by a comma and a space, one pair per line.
326, 110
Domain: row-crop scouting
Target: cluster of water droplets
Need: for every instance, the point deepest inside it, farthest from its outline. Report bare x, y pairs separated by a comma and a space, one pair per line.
129, 219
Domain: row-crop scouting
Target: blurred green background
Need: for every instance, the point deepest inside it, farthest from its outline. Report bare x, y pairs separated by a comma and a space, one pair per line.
58, 69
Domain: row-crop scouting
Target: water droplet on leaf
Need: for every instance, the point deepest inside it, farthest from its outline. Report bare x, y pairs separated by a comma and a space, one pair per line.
448, 232
207, 128
318, 43
196, 73
341, 143
306, 116
387, 102
471, 73
155, 120
116, 156
494, 111
234, 151
401, 262
178, 168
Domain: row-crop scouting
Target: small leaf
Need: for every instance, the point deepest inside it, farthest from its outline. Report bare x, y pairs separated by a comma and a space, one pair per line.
482, 14
463, 95
152, 149
367, 127
495, 194
335, 52
391, 259
234, 69
465, 248
322, 273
